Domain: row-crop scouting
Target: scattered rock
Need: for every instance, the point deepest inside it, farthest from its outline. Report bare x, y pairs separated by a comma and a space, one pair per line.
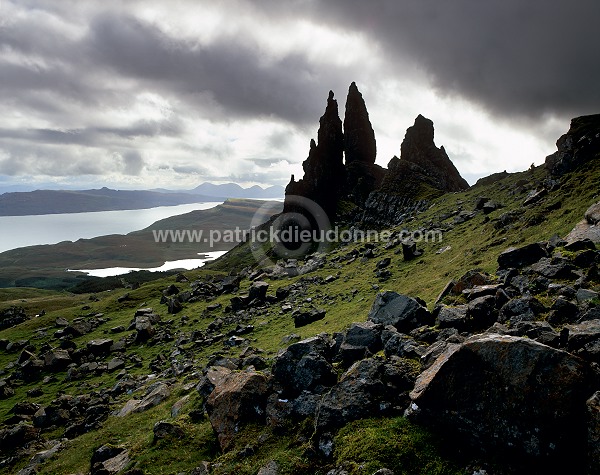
303, 366
522, 256
533, 405
401, 311
109, 460
57, 360
164, 429
100, 347
306, 317
239, 399
592, 215
258, 290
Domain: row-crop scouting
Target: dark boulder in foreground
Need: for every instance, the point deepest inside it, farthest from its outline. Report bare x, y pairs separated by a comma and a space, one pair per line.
509, 397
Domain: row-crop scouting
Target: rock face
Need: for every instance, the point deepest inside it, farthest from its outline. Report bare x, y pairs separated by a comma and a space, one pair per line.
579, 145
324, 168
509, 395
421, 162
239, 399
359, 137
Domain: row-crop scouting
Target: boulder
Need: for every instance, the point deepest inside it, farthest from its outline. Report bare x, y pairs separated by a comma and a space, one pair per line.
258, 290
174, 305
582, 333
100, 347
522, 256
238, 400
522, 309
272, 468
409, 250
5, 390
592, 215
79, 328
401, 311
369, 388
365, 334
554, 268
17, 436
453, 317
593, 412
563, 311
57, 360
109, 460
155, 394
509, 396
482, 312
164, 429
303, 366
144, 329
306, 317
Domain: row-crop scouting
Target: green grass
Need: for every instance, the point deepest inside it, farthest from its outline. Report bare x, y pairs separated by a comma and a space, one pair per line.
474, 244
368, 445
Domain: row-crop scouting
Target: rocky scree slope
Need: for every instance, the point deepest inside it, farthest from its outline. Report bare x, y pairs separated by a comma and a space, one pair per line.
267, 370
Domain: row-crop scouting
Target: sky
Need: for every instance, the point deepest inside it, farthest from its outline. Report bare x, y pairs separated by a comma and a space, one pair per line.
147, 94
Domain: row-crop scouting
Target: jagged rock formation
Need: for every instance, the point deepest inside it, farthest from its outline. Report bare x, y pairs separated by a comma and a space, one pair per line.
359, 137
360, 148
324, 168
579, 145
421, 163
422, 173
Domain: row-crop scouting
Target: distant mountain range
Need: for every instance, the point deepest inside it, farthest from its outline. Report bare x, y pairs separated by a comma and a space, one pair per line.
231, 190
41, 202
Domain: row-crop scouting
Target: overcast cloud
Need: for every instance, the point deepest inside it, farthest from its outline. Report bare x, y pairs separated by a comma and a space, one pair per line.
145, 94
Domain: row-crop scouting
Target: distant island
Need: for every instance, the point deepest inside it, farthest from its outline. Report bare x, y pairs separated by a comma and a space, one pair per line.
40, 202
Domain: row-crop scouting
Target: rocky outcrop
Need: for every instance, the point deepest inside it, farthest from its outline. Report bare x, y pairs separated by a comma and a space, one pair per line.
579, 145
422, 165
422, 173
511, 395
359, 137
324, 168
12, 316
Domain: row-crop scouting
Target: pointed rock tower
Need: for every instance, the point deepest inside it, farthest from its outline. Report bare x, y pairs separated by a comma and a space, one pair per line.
324, 173
360, 148
359, 136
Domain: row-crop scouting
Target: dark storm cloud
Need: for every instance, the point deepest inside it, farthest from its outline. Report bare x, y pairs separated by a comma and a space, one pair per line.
234, 73
515, 57
92, 136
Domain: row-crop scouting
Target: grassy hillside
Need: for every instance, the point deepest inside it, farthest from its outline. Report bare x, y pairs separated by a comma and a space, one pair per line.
347, 298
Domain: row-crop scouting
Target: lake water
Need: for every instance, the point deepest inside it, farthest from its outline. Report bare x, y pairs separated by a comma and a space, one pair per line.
169, 265
21, 231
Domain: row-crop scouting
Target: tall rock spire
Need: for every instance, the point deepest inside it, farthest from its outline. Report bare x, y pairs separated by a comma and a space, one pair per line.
324, 172
359, 137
